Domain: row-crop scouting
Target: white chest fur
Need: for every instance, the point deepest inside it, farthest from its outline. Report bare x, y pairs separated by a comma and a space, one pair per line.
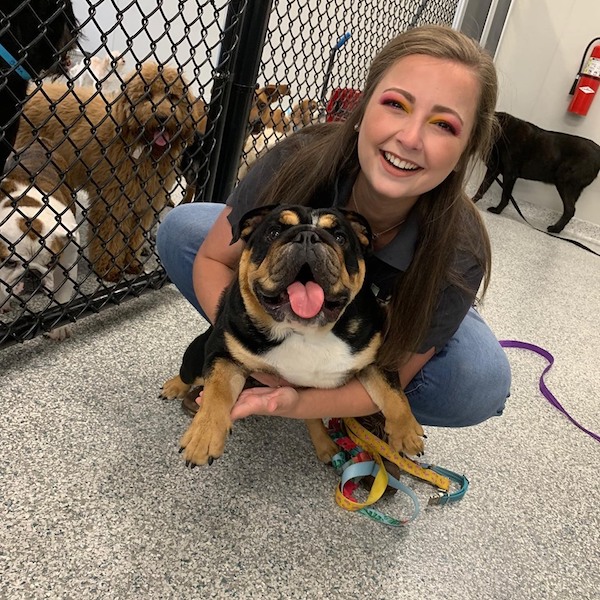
314, 360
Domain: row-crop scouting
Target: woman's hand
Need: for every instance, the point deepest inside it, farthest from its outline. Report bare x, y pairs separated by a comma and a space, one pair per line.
268, 401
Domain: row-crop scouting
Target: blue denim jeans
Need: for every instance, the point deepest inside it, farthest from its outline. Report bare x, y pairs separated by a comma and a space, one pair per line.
465, 383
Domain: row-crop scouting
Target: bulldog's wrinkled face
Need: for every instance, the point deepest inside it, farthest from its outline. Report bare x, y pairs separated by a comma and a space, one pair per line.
31, 239
301, 265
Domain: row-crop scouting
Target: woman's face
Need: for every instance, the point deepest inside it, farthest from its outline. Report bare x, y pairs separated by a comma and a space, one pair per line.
416, 126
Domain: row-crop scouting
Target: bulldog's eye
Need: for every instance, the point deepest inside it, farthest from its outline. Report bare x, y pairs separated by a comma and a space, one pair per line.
10, 264
273, 234
340, 238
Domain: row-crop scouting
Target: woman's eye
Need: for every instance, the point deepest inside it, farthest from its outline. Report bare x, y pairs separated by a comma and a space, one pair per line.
396, 104
445, 126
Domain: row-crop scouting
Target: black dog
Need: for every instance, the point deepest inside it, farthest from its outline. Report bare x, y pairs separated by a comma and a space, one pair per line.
40, 32
297, 309
523, 150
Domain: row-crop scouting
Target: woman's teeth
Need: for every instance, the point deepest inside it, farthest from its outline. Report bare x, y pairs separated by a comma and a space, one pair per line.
399, 163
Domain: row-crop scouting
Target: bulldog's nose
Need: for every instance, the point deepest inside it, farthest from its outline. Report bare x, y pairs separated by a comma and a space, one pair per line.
306, 237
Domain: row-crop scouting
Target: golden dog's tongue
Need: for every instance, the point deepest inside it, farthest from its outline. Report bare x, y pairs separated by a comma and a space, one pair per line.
161, 138
306, 300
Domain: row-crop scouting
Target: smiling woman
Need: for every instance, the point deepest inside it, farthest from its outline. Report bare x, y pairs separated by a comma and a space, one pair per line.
410, 140
400, 160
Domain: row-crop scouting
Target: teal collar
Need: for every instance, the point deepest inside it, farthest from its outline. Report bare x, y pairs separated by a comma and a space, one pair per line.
11, 61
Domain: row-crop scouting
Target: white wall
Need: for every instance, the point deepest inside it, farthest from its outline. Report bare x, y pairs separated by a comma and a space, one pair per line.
537, 61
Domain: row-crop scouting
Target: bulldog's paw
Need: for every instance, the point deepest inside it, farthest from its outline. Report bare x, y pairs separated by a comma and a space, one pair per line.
205, 439
405, 435
326, 449
174, 388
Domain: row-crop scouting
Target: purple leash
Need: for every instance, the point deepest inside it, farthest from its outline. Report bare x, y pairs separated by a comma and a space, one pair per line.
545, 391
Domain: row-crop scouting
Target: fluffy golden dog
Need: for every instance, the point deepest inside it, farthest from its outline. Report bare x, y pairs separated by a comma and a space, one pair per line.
123, 152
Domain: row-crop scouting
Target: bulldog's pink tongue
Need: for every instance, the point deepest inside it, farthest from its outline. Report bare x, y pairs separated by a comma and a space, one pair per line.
306, 300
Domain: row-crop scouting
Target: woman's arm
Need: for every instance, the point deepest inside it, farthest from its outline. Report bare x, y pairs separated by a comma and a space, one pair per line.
349, 400
215, 264
412, 366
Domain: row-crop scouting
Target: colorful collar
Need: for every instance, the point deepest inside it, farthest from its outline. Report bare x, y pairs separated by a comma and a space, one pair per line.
11, 61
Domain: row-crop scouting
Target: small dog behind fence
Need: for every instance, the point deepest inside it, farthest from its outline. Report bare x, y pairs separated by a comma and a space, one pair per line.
105, 72
125, 163
267, 125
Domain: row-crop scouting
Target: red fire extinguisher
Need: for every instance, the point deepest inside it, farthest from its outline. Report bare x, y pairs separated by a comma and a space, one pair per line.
585, 87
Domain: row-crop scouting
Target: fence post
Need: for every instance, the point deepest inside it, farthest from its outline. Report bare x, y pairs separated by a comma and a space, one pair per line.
232, 110
215, 114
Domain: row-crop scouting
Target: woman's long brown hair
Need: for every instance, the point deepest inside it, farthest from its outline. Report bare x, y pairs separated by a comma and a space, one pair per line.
446, 214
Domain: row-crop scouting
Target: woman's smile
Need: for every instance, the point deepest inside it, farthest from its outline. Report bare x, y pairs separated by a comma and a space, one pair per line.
399, 166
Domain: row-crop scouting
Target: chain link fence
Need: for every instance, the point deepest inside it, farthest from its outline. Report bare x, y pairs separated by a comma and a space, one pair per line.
163, 102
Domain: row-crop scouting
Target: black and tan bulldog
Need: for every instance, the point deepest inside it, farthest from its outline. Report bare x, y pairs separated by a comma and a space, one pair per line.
298, 310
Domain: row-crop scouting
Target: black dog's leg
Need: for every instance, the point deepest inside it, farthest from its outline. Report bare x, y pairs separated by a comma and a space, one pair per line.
491, 174
192, 367
193, 359
508, 183
569, 194
9, 118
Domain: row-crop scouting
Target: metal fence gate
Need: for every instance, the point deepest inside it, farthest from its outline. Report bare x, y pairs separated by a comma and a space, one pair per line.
164, 102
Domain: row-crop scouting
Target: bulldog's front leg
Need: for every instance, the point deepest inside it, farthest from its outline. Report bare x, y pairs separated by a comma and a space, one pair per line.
324, 446
405, 434
205, 438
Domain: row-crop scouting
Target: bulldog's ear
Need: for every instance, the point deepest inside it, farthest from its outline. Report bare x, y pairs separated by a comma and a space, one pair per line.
361, 228
249, 222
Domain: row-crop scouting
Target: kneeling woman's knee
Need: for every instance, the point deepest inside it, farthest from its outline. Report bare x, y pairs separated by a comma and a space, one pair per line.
171, 230
485, 389
459, 389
